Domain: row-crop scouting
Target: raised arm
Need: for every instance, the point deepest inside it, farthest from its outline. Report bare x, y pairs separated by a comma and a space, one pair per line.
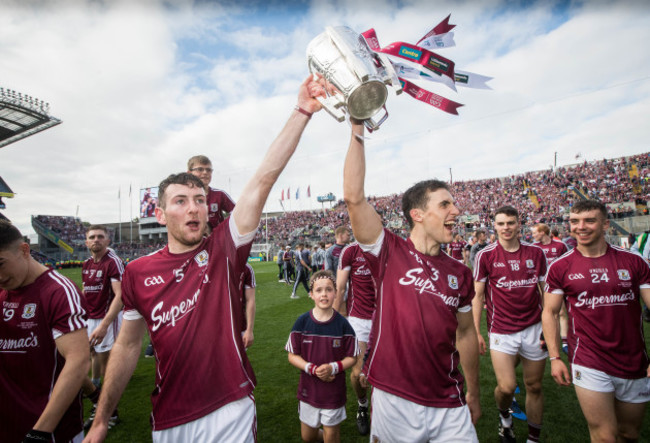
366, 223
249, 207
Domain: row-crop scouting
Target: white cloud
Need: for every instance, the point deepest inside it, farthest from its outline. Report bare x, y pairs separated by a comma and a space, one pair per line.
134, 107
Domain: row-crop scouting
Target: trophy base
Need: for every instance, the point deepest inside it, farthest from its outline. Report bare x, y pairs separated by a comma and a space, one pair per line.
367, 99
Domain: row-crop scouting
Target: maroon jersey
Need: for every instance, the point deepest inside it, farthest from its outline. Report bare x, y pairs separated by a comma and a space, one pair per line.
33, 317
248, 282
602, 296
218, 201
191, 303
322, 342
511, 292
97, 279
361, 295
456, 249
412, 348
553, 250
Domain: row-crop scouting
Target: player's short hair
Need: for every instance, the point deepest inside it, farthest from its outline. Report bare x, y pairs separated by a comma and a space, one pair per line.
507, 210
9, 235
555, 232
417, 196
183, 178
326, 273
341, 230
97, 228
322, 244
542, 227
197, 160
301, 245
478, 232
589, 205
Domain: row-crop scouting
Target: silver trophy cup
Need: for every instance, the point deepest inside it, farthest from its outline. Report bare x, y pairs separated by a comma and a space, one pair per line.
360, 75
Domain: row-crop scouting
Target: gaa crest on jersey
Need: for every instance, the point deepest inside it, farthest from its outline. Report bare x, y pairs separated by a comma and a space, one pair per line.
336, 343
29, 311
578, 375
453, 281
623, 274
202, 258
214, 207
530, 264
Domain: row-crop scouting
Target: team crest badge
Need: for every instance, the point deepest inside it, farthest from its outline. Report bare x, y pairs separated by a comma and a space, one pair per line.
29, 311
453, 281
623, 274
530, 264
336, 343
578, 375
496, 341
202, 258
214, 207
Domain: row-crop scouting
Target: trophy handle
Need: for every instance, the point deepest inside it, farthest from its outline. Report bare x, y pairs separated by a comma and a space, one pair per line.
372, 125
333, 106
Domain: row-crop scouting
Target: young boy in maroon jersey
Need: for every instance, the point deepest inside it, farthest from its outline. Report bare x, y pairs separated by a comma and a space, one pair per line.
322, 344
44, 353
602, 286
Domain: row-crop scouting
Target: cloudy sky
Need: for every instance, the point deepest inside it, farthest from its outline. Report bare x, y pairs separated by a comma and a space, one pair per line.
143, 85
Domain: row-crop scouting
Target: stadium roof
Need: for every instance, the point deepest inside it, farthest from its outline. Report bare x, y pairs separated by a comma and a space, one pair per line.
5, 190
22, 116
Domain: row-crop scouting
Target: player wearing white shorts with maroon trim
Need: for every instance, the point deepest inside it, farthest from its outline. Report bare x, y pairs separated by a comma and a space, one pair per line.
353, 269
507, 276
188, 296
602, 286
102, 288
44, 352
423, 312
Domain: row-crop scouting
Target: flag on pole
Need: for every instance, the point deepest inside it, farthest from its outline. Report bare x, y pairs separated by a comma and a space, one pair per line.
129, 190
298, 193
118, 192
289, 193
308, 191
282, 195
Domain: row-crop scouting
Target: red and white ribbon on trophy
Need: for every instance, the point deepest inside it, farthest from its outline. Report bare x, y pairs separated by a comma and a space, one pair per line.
427, 65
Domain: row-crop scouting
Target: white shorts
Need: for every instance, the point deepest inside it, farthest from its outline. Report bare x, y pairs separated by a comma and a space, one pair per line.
233, 422
315, 417
525, 343
361, 328
111, 333
625, 390
395, 419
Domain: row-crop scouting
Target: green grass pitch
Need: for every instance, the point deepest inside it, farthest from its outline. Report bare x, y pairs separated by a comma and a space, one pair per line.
277, 406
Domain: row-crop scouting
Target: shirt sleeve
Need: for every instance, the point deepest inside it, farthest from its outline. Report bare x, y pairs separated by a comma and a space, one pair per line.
130, 311
67, 313
345, 262
468, 293
553, 280
480, 268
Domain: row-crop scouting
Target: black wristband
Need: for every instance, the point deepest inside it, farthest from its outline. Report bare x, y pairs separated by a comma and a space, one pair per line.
35, 436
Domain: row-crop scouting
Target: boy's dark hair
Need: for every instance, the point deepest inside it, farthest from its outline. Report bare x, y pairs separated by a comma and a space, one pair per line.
183, 178
9, 234
417, 196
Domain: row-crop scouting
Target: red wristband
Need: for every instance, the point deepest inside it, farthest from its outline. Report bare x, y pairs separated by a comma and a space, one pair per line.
302, 111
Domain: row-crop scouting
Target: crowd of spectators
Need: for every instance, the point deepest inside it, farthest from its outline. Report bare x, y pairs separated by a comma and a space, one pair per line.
542, 196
